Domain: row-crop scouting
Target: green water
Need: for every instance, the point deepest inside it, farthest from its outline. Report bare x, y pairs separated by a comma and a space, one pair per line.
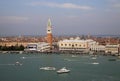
81, 66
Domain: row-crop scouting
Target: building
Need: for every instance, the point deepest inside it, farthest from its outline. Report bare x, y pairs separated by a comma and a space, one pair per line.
38, 47
112, 49
8, 44
31, 47
73, 45
80, 46
49, 33
43, 47
95, 47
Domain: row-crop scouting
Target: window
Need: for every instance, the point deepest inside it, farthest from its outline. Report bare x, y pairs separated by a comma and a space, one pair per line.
65, 44
69, 44
84, 45
72, 45
75, 44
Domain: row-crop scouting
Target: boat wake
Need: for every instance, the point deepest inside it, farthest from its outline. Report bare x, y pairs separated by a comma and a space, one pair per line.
73, 56
23, 57
93, 58
70, 60
7, 64
48, 68
29, 57
95, 63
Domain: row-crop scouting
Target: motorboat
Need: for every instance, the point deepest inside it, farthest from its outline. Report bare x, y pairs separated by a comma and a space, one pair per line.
18, 63
118, 57
63, 70
23, 57
95, 63
112, 59
48, 68
74, 56
93, 58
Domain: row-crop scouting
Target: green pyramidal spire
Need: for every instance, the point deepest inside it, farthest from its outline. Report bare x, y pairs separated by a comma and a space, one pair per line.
49, 23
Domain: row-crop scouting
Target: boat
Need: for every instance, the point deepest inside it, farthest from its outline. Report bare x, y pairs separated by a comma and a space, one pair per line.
23, 57
63, 70
118, 57
74, 56
112, 59
48, 68
18, 63
93, 58
95, 63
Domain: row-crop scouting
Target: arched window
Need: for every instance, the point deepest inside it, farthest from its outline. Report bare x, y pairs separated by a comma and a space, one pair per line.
75, 44
84, 45
65, 44
72, 45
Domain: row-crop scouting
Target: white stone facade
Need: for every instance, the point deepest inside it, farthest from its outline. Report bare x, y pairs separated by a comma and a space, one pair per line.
73, 45
39, 47
80, 45
94, 46
31, 47
112, 49
43, 47
97, 48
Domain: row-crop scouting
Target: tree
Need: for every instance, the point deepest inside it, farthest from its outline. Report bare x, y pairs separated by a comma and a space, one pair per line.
4, 48
0, 47
21, 47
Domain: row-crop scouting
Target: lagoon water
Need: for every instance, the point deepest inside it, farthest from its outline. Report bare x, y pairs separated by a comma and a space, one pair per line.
83, 67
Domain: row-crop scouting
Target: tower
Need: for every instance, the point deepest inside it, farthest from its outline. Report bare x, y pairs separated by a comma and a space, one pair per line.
49, 33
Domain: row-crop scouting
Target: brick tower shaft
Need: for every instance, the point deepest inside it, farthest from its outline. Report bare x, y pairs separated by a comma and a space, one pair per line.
49, 33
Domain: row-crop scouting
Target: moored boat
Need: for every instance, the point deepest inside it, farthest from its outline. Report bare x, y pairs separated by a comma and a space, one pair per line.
112, 59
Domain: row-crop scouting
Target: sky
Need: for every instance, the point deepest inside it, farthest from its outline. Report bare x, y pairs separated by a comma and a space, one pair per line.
68, 17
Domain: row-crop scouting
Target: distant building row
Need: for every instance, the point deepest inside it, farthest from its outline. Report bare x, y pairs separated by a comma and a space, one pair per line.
86, 46
74, 46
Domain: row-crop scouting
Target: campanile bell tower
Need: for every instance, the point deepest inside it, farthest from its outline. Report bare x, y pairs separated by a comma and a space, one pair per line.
49, 33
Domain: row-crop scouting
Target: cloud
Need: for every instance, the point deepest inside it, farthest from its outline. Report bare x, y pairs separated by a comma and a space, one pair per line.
116, 5
63, 5
12, 19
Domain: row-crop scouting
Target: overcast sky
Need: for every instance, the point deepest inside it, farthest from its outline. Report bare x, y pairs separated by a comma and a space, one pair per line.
76, 17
